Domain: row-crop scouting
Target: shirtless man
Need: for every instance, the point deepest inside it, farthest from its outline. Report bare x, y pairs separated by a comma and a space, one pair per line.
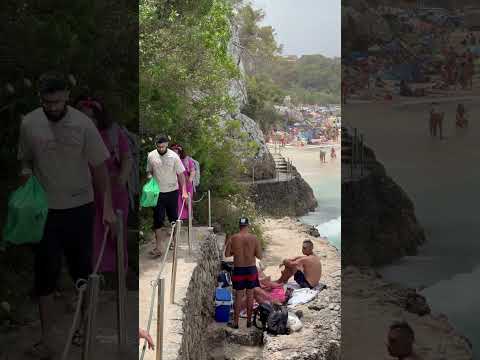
244, 247
436, 121
305, 269
400, 342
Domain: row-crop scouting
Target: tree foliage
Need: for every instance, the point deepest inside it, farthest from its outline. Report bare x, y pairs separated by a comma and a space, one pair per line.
185, 72
310, 79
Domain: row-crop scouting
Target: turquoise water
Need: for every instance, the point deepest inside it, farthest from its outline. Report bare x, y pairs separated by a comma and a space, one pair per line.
327, 217
325, 180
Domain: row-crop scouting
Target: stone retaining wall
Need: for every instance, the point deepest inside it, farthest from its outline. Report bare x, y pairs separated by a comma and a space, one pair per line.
199, 307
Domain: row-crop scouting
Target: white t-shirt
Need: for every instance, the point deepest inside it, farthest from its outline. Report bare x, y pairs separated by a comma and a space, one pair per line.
165, 169
59, 154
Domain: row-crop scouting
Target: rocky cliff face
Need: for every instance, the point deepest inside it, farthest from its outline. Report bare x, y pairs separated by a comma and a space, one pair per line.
264, 164
378, 220
370, 305
284, 198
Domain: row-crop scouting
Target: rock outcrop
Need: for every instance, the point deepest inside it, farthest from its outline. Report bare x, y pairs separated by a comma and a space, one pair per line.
321, 333
284, 198
370, 305
262, 160
378, 221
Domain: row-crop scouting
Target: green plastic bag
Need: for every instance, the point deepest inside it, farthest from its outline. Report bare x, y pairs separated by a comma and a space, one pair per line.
150, 194
27, 214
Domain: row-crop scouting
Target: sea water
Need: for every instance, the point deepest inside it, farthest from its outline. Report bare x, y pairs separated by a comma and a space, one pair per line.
325, 181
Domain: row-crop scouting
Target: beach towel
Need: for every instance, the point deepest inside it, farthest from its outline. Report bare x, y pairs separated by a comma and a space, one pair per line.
302, 296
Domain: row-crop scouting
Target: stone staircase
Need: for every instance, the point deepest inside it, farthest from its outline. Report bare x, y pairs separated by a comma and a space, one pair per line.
281, 164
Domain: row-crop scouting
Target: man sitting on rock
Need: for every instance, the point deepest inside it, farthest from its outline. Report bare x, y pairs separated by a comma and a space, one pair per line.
400, 342
305, 269
244, 247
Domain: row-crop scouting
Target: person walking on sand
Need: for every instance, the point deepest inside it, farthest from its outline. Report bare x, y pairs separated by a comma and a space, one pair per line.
306, 269
436, 121
333, 154
167, 169
244, 247
323, 156
400, 342
461, 118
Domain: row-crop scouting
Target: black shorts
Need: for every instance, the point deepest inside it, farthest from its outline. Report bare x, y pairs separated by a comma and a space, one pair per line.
167, 203
245, 277
299, 277
67, 232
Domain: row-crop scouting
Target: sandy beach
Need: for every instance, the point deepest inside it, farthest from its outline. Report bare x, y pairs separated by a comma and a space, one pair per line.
325, 181
307, 162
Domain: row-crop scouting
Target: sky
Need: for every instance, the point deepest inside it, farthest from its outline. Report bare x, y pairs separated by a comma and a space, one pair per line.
304, 27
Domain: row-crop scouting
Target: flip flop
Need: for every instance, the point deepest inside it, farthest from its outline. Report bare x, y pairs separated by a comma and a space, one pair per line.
40, 351
155, 253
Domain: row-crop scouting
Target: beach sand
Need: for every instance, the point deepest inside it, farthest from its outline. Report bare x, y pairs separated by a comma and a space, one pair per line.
307, 162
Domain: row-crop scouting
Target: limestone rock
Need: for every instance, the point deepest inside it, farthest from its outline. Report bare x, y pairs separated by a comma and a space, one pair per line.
248, 337
382, 225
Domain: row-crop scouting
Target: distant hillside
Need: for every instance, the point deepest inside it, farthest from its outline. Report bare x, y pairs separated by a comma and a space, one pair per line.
309, 78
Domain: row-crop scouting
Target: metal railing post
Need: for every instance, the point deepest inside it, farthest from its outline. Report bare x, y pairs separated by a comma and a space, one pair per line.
178, 228
355, 152
160, 317
121, 284
190, 220
209, 209
91, 324
361, 155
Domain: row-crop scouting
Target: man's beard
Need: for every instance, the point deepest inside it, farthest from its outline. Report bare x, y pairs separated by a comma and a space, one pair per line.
55, 117
162, 153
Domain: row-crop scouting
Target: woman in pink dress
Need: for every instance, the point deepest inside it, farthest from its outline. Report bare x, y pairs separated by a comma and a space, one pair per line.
119, 167
189, 176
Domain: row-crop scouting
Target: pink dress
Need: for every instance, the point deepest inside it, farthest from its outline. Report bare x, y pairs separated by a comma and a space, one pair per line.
120, 201
189, 167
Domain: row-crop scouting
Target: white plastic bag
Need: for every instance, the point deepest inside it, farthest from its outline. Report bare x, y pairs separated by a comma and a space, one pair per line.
294, 323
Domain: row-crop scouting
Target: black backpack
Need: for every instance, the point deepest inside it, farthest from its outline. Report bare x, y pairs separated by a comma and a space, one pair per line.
263, 311
274, 319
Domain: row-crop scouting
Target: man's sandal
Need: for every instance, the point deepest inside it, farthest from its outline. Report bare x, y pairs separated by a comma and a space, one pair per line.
78, 338
155, 253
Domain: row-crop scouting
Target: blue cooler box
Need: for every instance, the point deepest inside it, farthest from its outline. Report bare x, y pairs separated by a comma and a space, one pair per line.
223, 303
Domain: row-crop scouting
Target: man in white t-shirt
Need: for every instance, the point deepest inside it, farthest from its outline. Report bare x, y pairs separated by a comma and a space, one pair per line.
63, 149
168, 170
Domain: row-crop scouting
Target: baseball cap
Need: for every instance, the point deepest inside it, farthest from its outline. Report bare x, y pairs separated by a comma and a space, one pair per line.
243, 221
162, 139
51, 82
